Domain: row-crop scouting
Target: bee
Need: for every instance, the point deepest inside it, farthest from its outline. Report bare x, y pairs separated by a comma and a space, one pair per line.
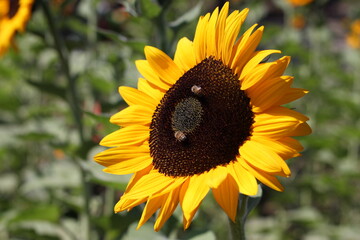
180, 136
196, 90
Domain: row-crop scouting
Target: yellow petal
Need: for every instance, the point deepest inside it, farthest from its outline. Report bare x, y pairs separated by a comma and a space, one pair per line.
246, 49
211, 34
152, 205
129, 165
246, 182
261, 156
128, 204
191, 198
291, 143
168, 207
220, 29
185, 54
118, 154
227, 196
233, 25
266, 178
216, 176
163, 65
133, 96
277, 122
255, 59
264, 71
200, 38
133, 135
286, 147
267, 95
153, 183
149, 74
302, 129
135, 114
291, 95
151, 90
281, 113
187, 221
137, 176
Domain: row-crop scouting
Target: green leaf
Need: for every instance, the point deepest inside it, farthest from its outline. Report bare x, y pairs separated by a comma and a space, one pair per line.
188, 16
149, 9
49, 213
8, 101
35, 136
252, 202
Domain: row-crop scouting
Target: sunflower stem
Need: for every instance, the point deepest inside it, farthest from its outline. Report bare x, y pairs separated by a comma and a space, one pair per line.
237, 228
63, 56
73, 102
162, 27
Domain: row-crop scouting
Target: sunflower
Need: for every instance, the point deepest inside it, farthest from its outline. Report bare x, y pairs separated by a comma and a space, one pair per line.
14, 15
211, 118
353, 37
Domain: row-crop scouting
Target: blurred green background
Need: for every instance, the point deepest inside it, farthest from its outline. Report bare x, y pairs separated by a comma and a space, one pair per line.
56, 98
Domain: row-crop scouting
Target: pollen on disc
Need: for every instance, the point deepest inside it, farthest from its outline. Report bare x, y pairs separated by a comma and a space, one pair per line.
187, 115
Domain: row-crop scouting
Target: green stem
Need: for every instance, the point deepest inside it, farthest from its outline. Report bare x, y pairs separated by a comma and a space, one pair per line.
237, 228
76, 112
162, 27
63, 56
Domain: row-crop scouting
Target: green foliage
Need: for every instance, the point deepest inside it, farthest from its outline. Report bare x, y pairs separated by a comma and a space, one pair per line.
55, 108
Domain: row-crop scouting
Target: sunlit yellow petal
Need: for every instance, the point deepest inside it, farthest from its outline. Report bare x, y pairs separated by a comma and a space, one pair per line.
246, 48
291, 95
266, 178
163, 65
150, 89
135, 114
193, 196
220, 29
264, 71
185, 54
211, 34
153, 183
132, 96
261, 156
200, 38
226, 194
152, 205
127, 136
268, 93
216, 176
255, 59
167, 209
246, 182
233, 25
149, 74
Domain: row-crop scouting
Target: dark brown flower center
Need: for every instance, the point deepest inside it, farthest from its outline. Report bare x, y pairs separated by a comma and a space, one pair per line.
14, 7
201, 121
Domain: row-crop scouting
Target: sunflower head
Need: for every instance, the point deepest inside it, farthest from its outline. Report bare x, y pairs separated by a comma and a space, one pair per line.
211, 118
14, 15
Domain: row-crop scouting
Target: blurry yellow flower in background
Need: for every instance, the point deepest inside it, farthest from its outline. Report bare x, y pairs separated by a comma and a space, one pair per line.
353, 37
297, 3
14, 15
355, 26
211, 118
